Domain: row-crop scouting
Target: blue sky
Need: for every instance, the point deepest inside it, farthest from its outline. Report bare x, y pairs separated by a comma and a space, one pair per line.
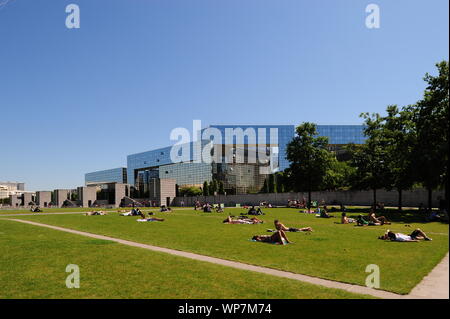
79, 100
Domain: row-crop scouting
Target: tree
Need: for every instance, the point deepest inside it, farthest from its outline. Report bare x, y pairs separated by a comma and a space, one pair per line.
399, 133
221, 188
190, 191
205, 189
310, 159
213, 187
431, 116
338, 176
271, 183
265, 188
369, 158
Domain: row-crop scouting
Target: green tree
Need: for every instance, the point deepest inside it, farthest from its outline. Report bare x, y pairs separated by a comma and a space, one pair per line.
271, 183
265, 188
310, 159
431, 116
369, 159
213, 187
399, 133
205, 189
338, 176
190, 191
221, 188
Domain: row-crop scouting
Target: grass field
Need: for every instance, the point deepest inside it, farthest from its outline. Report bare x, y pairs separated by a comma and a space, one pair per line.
332, 251
33, 262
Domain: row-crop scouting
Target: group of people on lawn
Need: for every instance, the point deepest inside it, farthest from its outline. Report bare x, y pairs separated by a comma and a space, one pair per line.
279, 233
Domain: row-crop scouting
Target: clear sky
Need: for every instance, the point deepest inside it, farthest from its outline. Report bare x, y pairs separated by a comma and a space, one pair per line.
79, 100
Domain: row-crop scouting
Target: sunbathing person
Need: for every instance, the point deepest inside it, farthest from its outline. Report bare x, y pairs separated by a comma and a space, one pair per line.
415, 236
280, 226
94, 213
241, 220
277, 238
345, 219
360, 221
151, 219
378, 220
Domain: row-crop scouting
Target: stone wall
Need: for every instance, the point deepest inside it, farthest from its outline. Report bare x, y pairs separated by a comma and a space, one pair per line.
43, 198
411, 198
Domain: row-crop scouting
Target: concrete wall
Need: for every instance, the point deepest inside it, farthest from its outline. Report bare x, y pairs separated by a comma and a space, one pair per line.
86, 194
120, 192
358, 198
60, 196
167, 190
161, 189
27, 198
43, 198
15, 200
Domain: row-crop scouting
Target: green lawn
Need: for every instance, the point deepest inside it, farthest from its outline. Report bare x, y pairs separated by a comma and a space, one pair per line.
33, 262
332, 251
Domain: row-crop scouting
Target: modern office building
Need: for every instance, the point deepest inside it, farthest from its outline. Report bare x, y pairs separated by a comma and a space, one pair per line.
118, 175
245, 154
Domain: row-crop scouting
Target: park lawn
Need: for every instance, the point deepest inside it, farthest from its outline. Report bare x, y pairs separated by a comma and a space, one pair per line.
34, 259
333, 251
58, 210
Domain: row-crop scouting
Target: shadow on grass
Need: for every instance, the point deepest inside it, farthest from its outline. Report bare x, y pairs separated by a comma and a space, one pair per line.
406, 216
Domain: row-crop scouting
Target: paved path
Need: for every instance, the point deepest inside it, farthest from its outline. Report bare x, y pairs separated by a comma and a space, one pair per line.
435, 285
426, 289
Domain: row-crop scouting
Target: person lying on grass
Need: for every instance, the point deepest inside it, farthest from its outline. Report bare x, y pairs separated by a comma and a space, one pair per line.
277, 238
94, 213
415, 236
151, 219
280, 226
381, 219
134, 212
345, 219
241, 220
360, 221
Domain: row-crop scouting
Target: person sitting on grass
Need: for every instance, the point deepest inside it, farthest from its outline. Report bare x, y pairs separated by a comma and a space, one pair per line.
322, 213
415, 236
277, 238
164, 208
219, 209
280, 226
377, 220
345, 219
254, 211
95, 213
360, 221
241, 220
151, 219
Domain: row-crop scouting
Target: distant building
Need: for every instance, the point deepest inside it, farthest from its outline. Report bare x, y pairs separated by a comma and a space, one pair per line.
11, 188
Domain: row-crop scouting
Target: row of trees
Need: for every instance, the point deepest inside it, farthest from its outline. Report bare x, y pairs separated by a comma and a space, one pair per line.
405, 148
208, 189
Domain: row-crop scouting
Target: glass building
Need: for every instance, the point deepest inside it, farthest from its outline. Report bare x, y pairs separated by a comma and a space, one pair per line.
118, 175
244, 155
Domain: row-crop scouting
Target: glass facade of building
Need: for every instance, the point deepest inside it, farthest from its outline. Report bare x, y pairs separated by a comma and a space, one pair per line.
118, 175
243, 175
342, 134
